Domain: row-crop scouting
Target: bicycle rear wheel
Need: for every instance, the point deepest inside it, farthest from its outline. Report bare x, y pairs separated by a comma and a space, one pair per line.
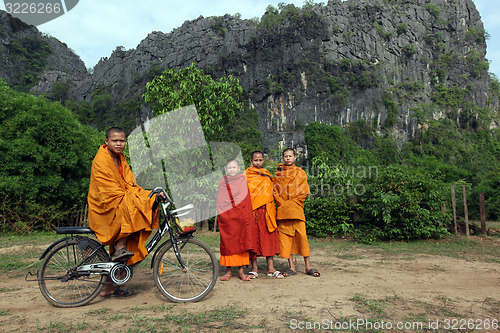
60, 283
191, 284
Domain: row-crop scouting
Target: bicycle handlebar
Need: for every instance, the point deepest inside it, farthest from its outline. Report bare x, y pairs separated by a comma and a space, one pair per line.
158, 190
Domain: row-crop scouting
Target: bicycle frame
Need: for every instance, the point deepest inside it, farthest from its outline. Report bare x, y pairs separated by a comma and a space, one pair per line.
169, 217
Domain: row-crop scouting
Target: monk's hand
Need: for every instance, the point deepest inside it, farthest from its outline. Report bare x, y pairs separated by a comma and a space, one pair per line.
161, 197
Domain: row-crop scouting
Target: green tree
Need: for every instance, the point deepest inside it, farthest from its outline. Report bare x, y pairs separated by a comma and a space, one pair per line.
45, 155
223, 118
217, 102
329, 139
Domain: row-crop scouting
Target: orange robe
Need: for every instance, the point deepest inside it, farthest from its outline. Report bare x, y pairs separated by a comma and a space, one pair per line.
118, 207
235, 216
290, 191
266, 240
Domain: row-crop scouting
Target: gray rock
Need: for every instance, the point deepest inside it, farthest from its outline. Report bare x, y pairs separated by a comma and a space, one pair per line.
373, 48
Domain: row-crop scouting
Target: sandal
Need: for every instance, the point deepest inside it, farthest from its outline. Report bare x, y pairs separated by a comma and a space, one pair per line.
313, 272
225, 277
119, 292
276, 275
289, 272
253, 275
122, 255
244, 277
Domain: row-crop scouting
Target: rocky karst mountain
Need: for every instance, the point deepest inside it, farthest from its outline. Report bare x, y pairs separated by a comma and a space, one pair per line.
388, 62
29, 58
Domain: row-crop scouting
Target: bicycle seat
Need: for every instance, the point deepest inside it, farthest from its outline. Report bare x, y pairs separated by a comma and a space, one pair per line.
74, 230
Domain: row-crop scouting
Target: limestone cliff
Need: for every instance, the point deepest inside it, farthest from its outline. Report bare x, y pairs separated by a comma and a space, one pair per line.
387, 62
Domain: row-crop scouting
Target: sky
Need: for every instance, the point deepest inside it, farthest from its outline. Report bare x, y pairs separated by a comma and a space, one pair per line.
94, 28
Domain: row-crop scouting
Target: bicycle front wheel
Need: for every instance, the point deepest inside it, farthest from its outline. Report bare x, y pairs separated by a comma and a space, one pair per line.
192, 283
58, 279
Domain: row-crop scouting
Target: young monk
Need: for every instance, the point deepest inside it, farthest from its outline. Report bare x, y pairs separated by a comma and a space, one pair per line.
290, 191
120, 212
234, 209
266, 242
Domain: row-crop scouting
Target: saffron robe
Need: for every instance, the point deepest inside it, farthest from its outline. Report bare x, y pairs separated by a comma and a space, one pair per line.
290, 192
118, 207
260, 184
235, 215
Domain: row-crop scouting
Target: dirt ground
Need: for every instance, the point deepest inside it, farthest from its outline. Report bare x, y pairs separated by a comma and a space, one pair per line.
396, 289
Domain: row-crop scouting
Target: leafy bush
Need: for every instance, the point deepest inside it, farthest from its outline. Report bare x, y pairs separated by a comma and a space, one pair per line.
409, 50
392, 110
330, 140
45, 156
490, 187
402, 199
478, 64
402, 28
475, 35
327, 216
401, 205
328, 209
29, 55
382, 33
434, 10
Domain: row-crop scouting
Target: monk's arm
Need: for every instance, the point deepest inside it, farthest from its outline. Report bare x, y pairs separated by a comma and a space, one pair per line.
106, 184
277, 198
299, 199
301, 192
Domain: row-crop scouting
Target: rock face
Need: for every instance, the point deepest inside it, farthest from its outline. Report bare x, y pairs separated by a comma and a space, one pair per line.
386, 62
28, 58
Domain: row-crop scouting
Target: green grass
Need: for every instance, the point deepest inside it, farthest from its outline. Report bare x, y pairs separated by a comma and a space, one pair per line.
34, 238
468, 248
17, 262
489, 224
367, 305
349, 256
140, 320
99, 311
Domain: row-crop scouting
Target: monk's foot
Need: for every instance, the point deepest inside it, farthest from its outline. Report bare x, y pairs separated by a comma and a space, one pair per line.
119, 292
122, 255
253, 274
107, 290
289, 272
244, 277
276, 274
226, 277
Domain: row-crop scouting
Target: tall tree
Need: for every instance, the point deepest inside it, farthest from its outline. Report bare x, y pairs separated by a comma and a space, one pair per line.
45, 153
217, 102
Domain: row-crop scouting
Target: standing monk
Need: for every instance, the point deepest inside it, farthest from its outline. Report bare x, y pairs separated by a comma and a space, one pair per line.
260, 184
290, 191
234, 209
120, 212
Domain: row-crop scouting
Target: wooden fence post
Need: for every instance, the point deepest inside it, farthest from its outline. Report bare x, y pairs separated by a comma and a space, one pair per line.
443, 207
454, 206
483, 213
215, 222
466, 213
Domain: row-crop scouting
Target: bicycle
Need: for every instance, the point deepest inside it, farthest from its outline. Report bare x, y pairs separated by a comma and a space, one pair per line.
75, 268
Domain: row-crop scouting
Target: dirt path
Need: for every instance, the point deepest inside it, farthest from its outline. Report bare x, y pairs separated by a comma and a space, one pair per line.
363, 284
